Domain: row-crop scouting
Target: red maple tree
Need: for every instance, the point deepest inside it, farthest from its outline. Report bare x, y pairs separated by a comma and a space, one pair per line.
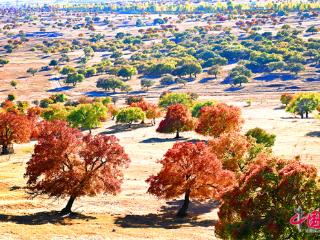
14, 128
178, 119
217, 119
67, 164
190, 169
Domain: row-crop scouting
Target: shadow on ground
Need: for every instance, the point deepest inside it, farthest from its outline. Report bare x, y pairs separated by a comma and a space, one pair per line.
207, 79
233, 89
60, 89
313, 134
282, 107
167, 217
53, 217
276, 76
162, 140
125, 128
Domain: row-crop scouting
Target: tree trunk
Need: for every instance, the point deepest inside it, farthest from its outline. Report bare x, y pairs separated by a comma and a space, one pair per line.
177, 135
301, 115
68, 207
7, 149
183, 210
307, 115
90, 130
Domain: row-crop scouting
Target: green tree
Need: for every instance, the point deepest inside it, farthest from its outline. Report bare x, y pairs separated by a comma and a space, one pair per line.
304, 103
14, 83
3, 62
55, 112
127, 72
89, 72
261, 136
286, 98
11, 97
110, 83
276, 66
146, 83
88, 116
157, 70
240, 70
295, 68
199, 105
53, 63
66, 70
239, 79
129, 115
191, 68
74, 78
126, 88
174, 98
32, 71
214, 70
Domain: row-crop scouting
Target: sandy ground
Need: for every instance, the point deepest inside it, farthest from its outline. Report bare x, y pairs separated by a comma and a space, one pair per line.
134, 214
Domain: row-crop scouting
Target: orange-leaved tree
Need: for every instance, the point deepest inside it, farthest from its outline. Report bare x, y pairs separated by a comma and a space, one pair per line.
178, 119
232, 149
193, 170
217, 119
9, 106
14, 128
34, 114
67, 164
151, 110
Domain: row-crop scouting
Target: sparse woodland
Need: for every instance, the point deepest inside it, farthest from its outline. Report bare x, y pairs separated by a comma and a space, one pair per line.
143, 112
